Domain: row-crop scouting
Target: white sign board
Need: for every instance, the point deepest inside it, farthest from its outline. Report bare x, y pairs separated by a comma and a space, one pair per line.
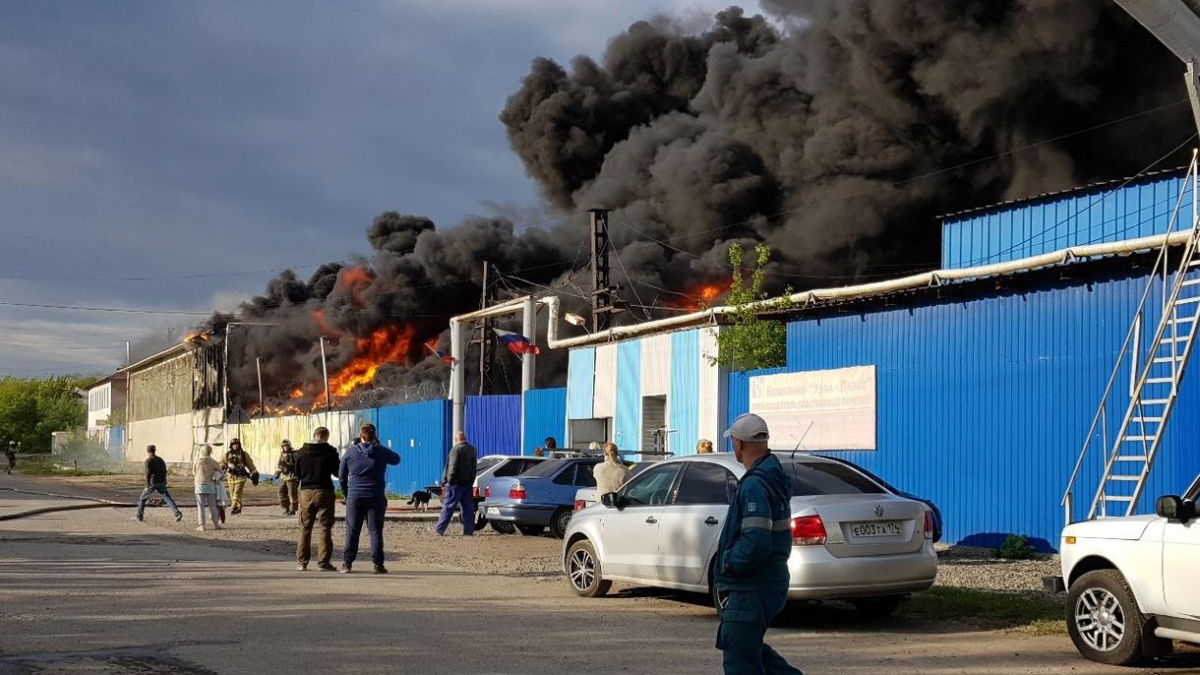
828, 409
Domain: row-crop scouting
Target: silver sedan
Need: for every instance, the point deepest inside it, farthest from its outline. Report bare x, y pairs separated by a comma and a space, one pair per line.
852, 539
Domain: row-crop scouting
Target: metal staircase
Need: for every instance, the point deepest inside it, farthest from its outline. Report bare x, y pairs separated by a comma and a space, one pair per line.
1155, 373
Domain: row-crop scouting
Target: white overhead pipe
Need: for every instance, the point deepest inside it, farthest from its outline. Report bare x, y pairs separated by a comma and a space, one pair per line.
458, 349
817, 296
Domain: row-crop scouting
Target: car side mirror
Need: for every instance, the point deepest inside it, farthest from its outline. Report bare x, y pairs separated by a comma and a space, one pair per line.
1174, 508
612, 500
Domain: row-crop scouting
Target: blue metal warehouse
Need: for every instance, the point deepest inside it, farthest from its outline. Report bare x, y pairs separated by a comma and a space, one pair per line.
985, 388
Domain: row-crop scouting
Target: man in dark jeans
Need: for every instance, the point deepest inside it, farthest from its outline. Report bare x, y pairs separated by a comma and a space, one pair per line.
156, 481
363, 476
458, 480
316, 464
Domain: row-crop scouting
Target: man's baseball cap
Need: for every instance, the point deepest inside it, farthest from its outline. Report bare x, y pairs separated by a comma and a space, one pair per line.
748, 427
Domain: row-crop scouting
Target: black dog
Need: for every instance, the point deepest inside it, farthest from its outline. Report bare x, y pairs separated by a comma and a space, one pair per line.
420, 500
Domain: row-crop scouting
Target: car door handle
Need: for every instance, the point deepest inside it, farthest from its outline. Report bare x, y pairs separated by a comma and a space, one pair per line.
651, 520
711, 521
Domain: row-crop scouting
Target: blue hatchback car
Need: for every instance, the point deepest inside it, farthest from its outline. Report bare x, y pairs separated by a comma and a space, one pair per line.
542, 497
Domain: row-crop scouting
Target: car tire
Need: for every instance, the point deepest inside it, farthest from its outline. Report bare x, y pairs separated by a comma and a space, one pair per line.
560, 522
502, 527
531, 530
877, 608
1103, 619
584, 572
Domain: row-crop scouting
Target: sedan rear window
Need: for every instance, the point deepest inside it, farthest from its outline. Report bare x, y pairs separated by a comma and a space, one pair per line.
813, 478
547, 468
485, 464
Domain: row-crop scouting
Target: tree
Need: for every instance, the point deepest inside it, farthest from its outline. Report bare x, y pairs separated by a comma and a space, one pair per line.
750, 341
30, 410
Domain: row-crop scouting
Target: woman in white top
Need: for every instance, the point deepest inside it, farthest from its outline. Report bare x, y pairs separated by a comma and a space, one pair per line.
610, 474
206, 472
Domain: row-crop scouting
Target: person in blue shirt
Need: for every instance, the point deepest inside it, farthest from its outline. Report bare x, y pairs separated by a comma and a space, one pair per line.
363, 477
752, 572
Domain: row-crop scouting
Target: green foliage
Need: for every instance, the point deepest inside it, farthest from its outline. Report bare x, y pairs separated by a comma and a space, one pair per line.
750, 341
1023, 613
31, 409
1017, 547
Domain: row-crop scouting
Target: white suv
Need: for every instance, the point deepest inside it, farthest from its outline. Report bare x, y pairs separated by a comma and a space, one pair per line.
1134, 583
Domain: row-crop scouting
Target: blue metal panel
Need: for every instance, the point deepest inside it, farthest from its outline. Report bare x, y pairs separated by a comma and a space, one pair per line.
627, 426
581, 382
420, 432
984, 404
739, 395
545, 416
116, 443
1025, 229
493, 424
684, 400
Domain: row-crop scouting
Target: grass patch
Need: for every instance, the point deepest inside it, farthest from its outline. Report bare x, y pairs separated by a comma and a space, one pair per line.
46, 466
993, 610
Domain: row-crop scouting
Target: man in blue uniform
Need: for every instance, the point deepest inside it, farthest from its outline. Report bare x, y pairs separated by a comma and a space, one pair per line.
752, 572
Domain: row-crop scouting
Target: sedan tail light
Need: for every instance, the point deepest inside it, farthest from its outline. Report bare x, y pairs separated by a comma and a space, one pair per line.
580, 504
487, 493
808, 531
517, 492
928, 524
475, 492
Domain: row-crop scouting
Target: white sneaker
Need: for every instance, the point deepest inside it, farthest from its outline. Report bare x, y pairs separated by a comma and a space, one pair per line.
200, 529
136, 519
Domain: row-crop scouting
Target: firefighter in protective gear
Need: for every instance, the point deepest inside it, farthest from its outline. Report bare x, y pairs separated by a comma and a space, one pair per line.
285, 473
238, 467
751, 569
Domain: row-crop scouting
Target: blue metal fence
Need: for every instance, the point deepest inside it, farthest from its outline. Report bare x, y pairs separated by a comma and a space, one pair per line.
493, 424
545, 416
420, 432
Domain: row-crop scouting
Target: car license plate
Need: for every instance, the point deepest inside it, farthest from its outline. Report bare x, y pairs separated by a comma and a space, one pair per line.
885, 528
493, 512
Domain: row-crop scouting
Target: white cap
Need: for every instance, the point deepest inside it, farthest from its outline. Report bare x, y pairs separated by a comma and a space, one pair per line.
748, 427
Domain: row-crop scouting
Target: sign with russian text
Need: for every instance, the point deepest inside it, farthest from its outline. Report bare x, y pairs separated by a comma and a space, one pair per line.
818, 409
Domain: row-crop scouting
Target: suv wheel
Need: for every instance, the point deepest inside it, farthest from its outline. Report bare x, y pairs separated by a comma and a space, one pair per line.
531, 530
583, 570
560, 522
1103, 618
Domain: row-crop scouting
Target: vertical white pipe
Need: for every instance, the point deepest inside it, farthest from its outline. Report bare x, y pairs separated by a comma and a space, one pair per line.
258, 367
529, 330
458, 380
325, 374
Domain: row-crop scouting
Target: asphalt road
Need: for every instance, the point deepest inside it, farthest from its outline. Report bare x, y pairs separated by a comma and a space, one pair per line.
91, 592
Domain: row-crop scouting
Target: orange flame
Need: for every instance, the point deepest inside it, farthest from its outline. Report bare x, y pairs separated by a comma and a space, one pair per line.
323, 326
389, 344
699, 296
355, 280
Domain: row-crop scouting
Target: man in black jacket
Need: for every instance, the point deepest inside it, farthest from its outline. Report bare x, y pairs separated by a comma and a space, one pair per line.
316, 464
458, 480
156, 481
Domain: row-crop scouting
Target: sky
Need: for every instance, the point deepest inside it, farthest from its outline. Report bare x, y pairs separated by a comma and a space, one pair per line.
160, 157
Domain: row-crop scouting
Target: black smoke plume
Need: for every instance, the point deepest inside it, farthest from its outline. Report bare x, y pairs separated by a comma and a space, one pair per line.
832, 130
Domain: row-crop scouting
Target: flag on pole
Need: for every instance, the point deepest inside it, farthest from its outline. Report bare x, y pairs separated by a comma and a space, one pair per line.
443, 356
517, 344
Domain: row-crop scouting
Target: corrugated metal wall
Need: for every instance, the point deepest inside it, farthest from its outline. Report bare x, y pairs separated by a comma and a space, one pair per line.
420, 432
983, 405
493, 424
739, 398
545, 416
656, 365
604, 396
684, 399
1023, 230
627, 424
581, 377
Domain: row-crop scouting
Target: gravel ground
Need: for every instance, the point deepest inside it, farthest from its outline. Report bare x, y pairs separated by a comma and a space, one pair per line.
968, 567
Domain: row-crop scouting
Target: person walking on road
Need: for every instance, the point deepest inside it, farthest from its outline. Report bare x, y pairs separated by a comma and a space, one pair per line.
752, 558
285, 474
238, 468
610, 474
316, 465
458, 479
10, 454
363, 474
156, 481
205, 474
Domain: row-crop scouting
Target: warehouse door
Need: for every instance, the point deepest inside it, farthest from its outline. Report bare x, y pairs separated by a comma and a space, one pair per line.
654, 426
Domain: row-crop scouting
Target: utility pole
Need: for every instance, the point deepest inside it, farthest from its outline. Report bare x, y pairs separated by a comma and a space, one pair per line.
258, 366
487, 341
325, 375
604, 301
